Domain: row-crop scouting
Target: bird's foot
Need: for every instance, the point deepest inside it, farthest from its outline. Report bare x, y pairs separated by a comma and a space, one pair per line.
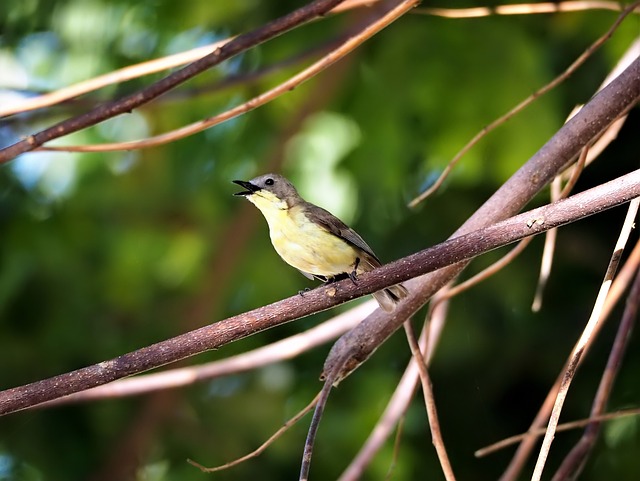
302, 291
353, 275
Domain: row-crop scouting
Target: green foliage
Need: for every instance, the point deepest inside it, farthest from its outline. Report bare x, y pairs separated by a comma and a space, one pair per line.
105, 253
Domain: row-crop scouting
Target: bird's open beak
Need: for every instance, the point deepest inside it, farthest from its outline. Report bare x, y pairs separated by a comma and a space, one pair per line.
251, 188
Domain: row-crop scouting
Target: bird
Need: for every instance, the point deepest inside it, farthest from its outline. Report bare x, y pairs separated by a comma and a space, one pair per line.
313, 240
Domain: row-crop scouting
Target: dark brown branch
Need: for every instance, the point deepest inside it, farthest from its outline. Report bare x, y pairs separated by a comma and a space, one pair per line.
452, 251
307, 452
620, 95
126, 104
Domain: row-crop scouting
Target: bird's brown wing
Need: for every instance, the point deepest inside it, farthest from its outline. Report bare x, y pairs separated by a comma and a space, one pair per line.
338, 228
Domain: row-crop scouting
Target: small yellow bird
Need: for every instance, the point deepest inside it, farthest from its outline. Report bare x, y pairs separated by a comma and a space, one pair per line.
312, 239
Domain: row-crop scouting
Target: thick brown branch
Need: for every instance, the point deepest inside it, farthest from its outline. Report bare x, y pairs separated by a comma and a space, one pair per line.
127, 104
452, 251
616, 98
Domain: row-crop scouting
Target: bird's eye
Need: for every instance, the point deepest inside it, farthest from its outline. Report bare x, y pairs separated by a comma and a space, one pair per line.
269, 182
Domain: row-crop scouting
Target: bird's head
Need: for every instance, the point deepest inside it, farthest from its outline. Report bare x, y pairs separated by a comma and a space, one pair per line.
269, 190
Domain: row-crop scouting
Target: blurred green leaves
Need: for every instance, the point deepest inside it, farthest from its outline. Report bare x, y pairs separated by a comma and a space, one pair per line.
104, 253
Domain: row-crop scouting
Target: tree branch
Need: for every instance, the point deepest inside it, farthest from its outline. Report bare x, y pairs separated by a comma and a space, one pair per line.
344, 47
278, 351
577, 457
616, 98
127, 104
216, 335
577, 354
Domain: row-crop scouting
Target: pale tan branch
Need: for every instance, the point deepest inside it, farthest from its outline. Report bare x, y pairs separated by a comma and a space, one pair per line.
278, 351
579, 349
262, 448
522, 9
580, 423
399, 402
430, 403
346, 47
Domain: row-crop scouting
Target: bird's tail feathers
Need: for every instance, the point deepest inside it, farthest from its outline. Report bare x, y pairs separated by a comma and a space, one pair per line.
389, 297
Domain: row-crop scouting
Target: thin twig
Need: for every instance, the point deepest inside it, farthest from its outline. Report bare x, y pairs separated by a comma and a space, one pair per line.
622, 280
305, 465
253, 454
116, 76
430, 404
603, 141
528, 439
578, 350
486, 272
400, 400
504, 443
576, 171
525, 103
396, 449
552, 235
520, 9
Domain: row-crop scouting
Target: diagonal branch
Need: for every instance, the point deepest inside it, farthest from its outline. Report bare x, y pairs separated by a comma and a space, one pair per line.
278, 351
127, 104
579, 349
575, 65
448, 253
344, 46
616, 98
575, 460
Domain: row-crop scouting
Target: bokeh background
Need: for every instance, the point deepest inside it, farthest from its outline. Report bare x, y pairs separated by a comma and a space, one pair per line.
105, 253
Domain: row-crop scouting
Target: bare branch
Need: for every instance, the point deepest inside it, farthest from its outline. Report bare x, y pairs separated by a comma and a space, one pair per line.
622, 93
528, 439
305, 465
283, 429
117, 76
345, 47
480, 453
550, 237
278, 351
399, 402
485, 273
521, 9
430, 403
524, 104
450, 252
575, 460
578, 350
127, 104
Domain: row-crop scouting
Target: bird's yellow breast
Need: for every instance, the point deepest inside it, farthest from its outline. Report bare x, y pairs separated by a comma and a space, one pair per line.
301, 243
